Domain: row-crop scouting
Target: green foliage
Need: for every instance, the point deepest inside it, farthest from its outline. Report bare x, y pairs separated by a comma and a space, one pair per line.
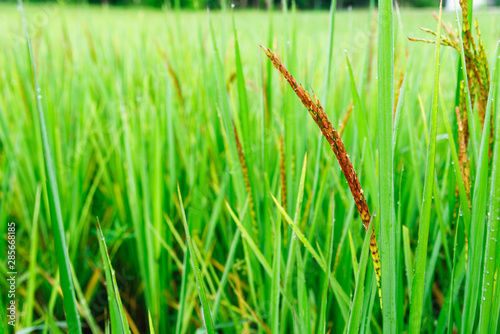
172, 97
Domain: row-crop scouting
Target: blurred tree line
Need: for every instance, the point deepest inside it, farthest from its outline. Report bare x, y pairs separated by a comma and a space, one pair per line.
260, 4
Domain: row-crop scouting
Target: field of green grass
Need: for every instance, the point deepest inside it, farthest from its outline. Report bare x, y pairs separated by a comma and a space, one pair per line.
222, 208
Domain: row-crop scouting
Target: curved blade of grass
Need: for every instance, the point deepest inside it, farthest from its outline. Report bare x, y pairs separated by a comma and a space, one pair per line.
300, 235
117, 316
69, 299
253, 246
387, 238
207, 317
418, 287
250, 242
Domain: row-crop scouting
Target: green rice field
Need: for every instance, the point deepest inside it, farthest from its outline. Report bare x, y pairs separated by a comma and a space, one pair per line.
162, 176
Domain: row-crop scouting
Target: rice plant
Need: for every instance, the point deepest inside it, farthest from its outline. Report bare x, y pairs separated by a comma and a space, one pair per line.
165, 174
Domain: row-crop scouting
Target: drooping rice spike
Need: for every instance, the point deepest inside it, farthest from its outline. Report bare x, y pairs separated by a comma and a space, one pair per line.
444, 41
447, 28
246, 178
345, 119
332, 136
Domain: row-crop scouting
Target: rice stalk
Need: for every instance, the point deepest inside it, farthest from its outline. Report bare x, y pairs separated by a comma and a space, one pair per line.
319, 116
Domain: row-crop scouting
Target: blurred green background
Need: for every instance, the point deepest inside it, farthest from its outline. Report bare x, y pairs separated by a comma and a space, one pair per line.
216, 4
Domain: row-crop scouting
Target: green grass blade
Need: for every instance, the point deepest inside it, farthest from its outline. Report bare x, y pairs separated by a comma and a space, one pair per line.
453, 274
117, 316
490, 261
250, 241
319, 145
477, 227
362, 128
150, 321
324, 290
207, 317
495, 202
182, 294
33, 260
300, 235
275, 287
357, 302
227, 268
387, 237
418, 286
409, 260
69, 299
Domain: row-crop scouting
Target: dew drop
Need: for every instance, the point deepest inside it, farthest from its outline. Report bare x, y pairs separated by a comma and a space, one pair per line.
232, 5
39, 97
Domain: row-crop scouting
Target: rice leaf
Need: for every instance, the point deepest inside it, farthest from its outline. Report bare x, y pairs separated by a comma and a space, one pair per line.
418, 285
117, 316
69, 299
205, 308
